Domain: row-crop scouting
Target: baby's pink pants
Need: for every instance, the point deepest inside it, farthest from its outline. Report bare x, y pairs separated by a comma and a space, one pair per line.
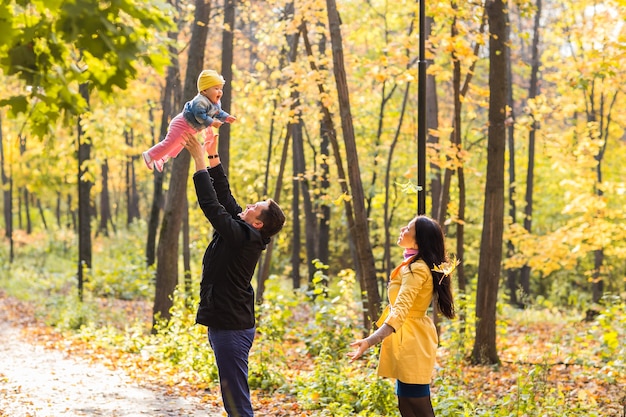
171, 146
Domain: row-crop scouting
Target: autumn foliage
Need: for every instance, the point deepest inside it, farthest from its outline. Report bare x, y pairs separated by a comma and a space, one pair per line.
106, 77
553, 361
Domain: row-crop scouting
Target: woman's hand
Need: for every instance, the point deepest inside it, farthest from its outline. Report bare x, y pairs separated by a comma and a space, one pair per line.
360, 347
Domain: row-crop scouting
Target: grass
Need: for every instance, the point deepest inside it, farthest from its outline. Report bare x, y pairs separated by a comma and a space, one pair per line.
552, 362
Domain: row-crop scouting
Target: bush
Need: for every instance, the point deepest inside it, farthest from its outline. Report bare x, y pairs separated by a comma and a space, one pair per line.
334, 385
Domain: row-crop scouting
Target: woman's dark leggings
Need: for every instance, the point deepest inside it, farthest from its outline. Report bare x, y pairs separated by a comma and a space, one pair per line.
415, 407
414, 400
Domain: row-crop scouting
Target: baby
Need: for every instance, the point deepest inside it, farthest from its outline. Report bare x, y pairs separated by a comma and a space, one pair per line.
202, 112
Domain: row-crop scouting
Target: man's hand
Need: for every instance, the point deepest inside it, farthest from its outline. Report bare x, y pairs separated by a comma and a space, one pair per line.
210, 141
197, 152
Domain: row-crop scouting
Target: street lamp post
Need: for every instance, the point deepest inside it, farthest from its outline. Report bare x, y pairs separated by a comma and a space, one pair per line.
421, 113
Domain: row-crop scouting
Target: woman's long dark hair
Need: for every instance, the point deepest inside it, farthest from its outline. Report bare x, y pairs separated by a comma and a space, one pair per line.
432, 250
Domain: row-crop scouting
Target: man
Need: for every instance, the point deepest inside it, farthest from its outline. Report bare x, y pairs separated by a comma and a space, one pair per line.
226, 295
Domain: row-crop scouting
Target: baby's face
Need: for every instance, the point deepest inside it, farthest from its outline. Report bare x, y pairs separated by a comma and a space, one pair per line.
214, 94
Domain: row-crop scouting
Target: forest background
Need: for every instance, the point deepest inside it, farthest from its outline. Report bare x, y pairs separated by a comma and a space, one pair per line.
525, 150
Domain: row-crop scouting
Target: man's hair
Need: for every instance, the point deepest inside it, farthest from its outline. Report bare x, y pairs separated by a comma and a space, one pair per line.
273, 219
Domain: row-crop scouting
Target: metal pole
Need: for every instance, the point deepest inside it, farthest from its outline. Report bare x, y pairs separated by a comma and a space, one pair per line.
421, 113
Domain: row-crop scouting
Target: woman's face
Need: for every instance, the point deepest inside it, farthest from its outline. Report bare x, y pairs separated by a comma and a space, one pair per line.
406, 239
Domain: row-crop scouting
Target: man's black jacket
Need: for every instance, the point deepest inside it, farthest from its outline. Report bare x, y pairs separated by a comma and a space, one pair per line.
226, 295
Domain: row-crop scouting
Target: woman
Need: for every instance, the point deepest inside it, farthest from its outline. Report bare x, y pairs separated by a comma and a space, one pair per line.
408, 335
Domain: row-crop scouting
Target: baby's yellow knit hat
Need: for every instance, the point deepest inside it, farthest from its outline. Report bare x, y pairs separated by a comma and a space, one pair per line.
208, 79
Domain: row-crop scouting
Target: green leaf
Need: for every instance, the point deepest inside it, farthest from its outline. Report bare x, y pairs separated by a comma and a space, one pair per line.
18, 104
8, 32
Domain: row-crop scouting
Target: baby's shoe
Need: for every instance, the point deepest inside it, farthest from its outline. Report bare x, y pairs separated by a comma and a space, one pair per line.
146, 158
159, 164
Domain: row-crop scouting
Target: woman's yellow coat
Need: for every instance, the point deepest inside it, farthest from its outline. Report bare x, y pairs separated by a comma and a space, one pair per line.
409, 353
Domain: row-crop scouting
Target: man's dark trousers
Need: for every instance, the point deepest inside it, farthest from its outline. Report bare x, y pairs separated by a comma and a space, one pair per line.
231, 348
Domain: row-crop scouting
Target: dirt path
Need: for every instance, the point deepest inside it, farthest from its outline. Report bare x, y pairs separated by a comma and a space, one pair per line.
39, 382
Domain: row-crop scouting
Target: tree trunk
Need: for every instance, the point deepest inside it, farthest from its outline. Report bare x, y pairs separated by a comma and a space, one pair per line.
296, 137
384, 99
42, 213
365, 257
310, 218
127, 188
443, 186
227, 73
323, 237
24, 196
84, 201
387, 205
455, 135
460, 232
598, 255
432, 121
300, 183
598, 279
444, 196
322, 230
455, 143
57, 210
530, 174
323, 234
331, 134
27, 215
512, 274
71, 214
105, 203
169, 103
460, 91
265, 261
265, 265
167, 250
350, 217
600, 114
386, 264
263, 271
7, 195
186, 250
132, 196
172, 99
485, 351
388, 216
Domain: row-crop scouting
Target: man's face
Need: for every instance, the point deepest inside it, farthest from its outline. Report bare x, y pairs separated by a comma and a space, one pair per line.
252, 212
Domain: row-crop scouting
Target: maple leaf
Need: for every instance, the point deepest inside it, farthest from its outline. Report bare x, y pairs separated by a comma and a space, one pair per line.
447, 268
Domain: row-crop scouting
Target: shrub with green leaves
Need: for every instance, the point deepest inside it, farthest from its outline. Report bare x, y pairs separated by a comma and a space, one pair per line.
610, 328
183, 343
123, 274
335, 387
274, 319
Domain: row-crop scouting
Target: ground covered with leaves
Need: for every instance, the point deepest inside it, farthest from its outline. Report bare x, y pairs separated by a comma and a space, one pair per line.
548, 368
44, 375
